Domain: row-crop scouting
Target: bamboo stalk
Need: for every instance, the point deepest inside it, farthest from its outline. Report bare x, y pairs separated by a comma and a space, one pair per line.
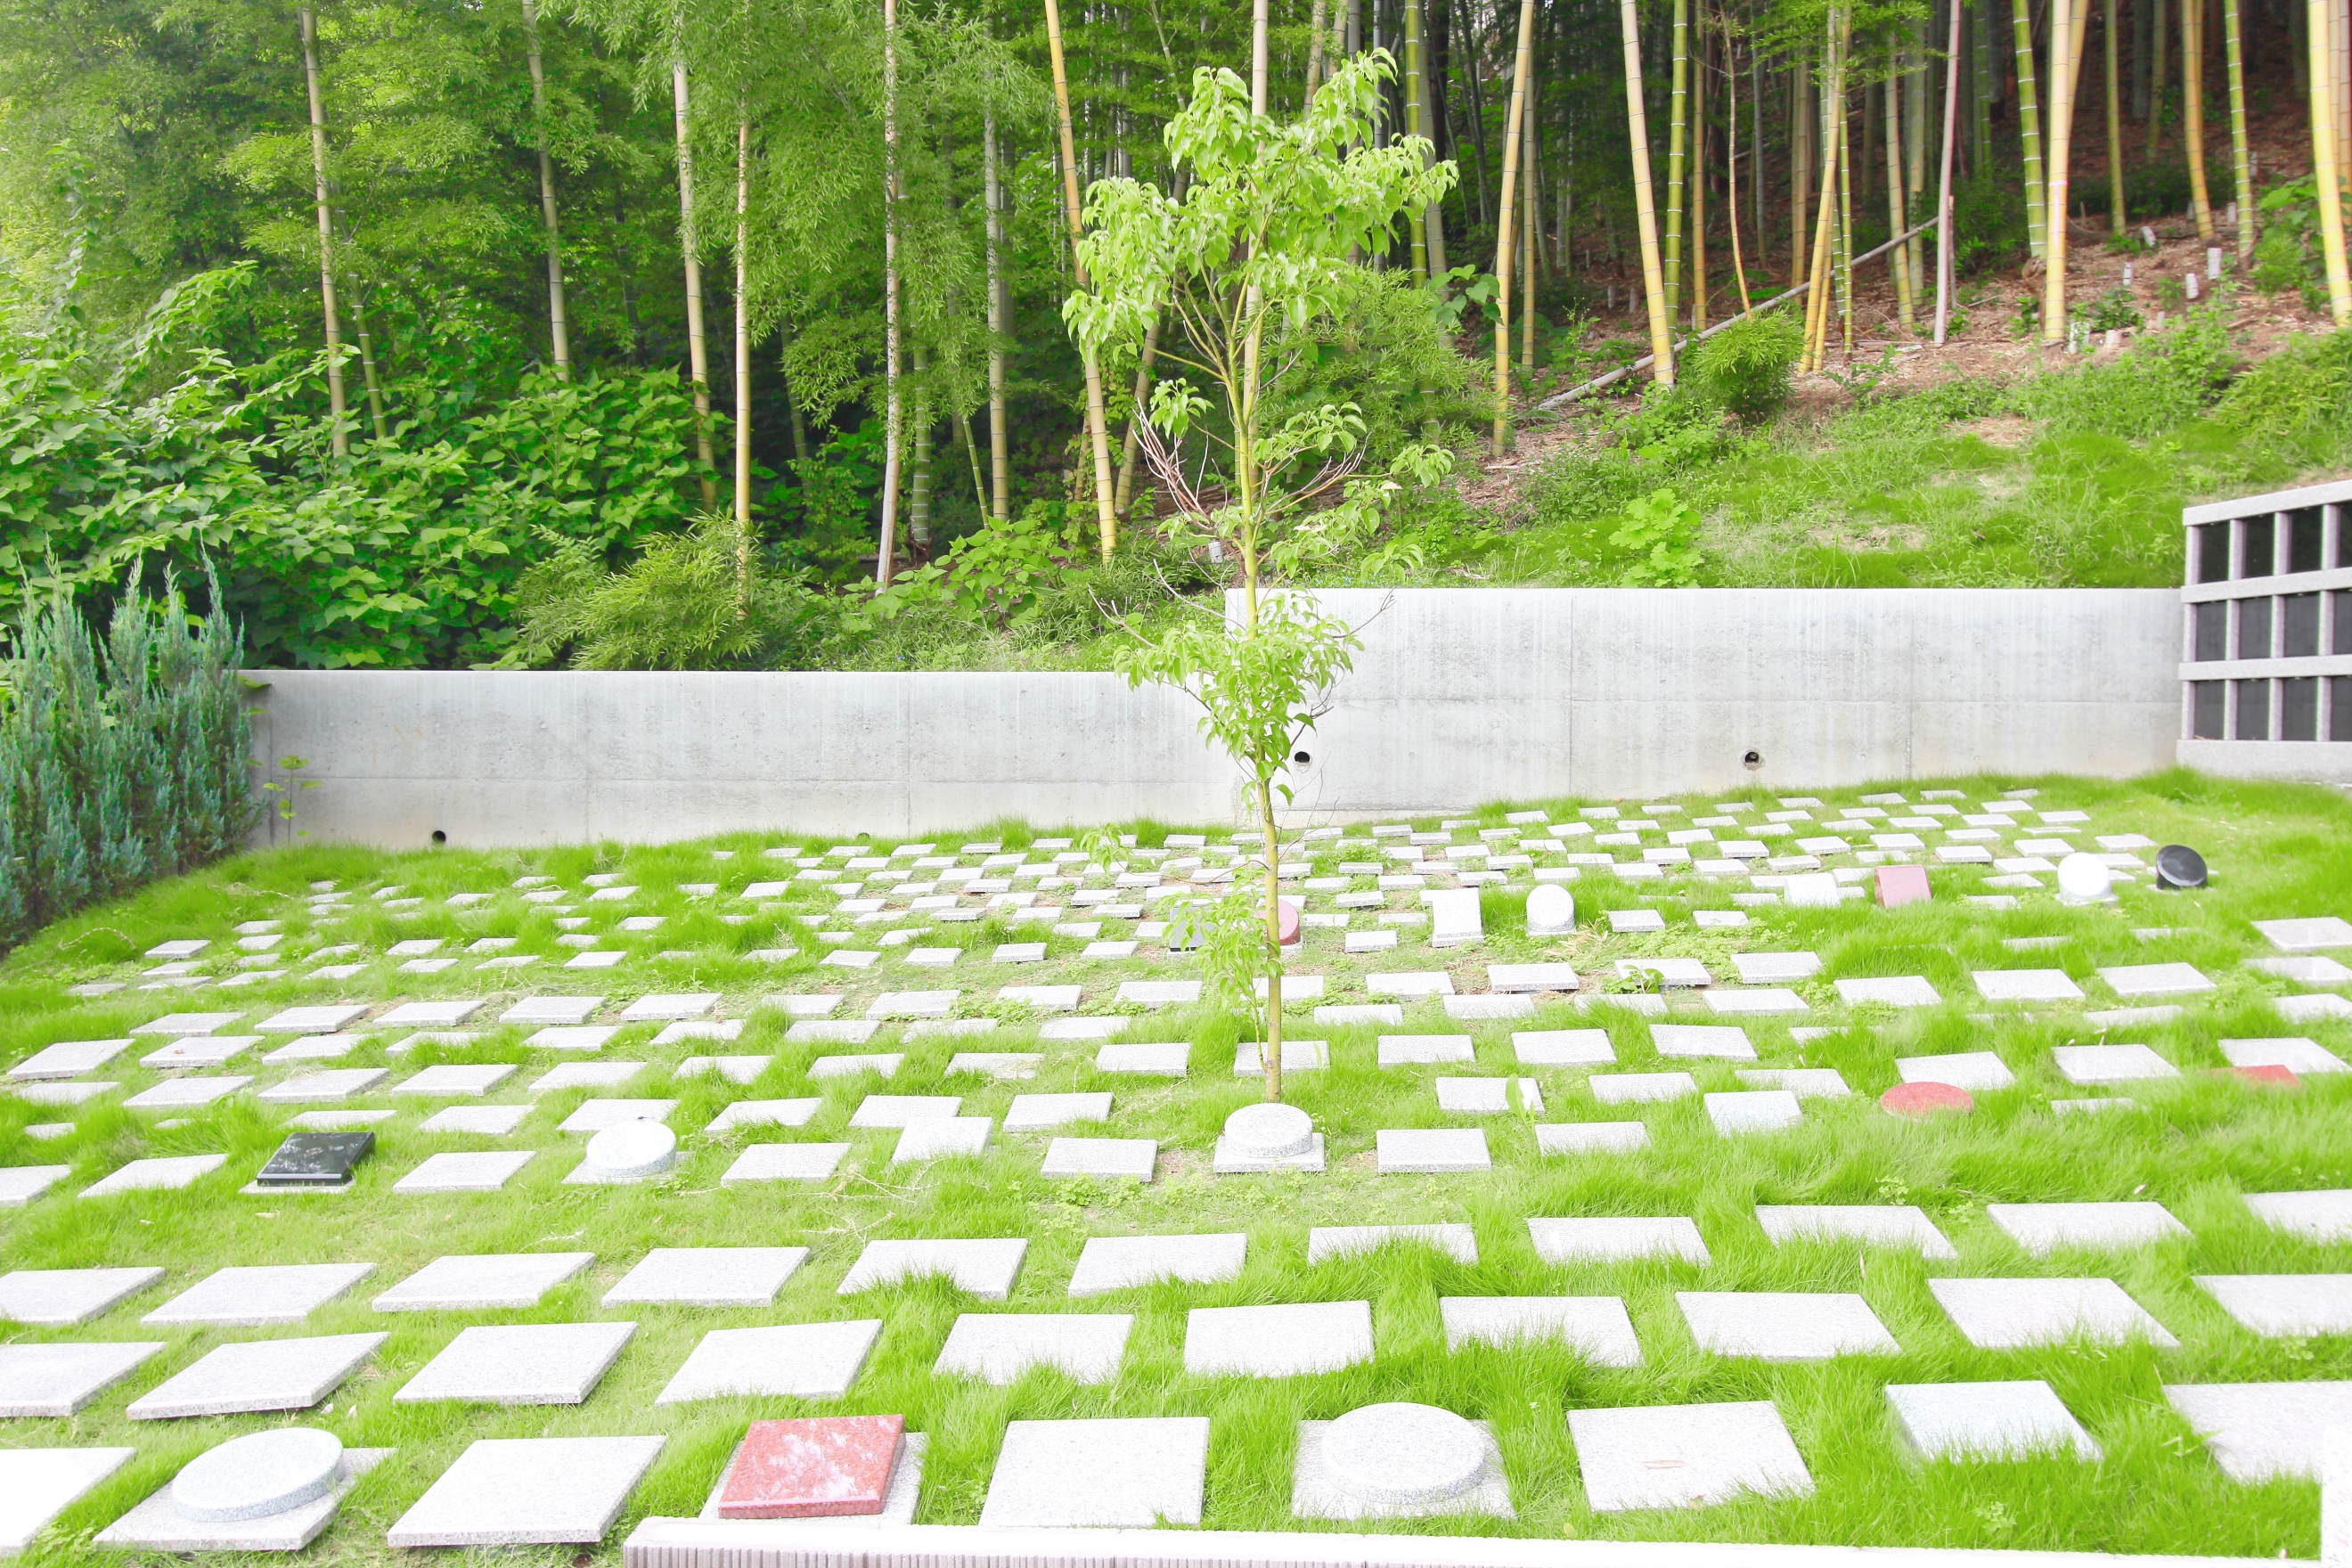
367, 365
339, 437
1802, 158
1696, 183
887, 551
1896, 203
1098, 422
1413, 126
1817, 305
2158, 74
1530, 221
1505, 212
1645, 212
2062, 134
2117, 219
1914, 150
1677, 130
2326, 171
742, 360
559, 327
999, 458
1944, 183
2028, 128
1844, 240
697, 347
1731, 170
2193, 113
2241, 153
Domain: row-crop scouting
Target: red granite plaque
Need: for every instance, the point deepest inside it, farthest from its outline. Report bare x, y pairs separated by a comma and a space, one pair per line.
1924, 1100
1901, 885
821, 1467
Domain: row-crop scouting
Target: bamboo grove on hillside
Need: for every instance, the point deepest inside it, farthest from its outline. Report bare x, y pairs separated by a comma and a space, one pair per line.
837, 215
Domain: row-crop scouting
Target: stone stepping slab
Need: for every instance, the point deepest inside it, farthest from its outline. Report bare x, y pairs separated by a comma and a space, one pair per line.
56, 1381
1000, 1347
799, 1360
1685, 1456
1597, 1326
258, 1374
2014, 1314
1102, 1473
509, 1491
2009, 1420
1277, 1341
255, 1295
480, 1281
981, 1268
520, 1363
1109, 1263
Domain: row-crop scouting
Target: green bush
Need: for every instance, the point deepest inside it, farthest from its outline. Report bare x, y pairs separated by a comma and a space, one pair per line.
1746, 367
121, 762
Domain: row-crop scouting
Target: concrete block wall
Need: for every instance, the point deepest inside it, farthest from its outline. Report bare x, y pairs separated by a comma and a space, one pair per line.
1458, 696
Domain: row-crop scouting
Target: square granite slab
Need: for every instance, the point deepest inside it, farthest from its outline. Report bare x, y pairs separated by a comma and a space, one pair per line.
466, 1173
2262, 1431
1327, 1242
1563, 1047
763, 1113
1614, 1238
1103, 1473
490, 1120
258, 1374
826, 1466
1597, 1326
1128, 1262
1277, 1341
59, 1297
2011, 1314
1428, 1151
2042, 1228
2285, 1306
1107, 1158
520, 1363
999, 1347
2302, 1057
521, 1492
55, 1381
1685, 1456
1985, 1420
268, 1293
802, 1361
1976, 1071
2324, 1215
2110, 1064
1640, 1088
1591, 1137
981, 1267
38, 1484
69, 1059
456, 1080
159, 1525
785, 1163
1784, 1325
707, 1277
478, 1282
1043, 1112
2025, 985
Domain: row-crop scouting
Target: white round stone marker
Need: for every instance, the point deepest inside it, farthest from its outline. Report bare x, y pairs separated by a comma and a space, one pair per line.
2083, 880
1269, 1132
1405, 1453
633, 1149
1550, 906
257, 1475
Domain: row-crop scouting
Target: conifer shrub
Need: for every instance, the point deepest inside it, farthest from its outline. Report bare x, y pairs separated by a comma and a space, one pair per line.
124, 759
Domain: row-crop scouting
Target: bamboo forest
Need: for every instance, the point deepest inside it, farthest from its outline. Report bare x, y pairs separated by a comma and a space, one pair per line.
877, 334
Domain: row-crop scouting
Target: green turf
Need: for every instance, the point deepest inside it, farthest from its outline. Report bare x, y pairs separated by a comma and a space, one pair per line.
2196, 1143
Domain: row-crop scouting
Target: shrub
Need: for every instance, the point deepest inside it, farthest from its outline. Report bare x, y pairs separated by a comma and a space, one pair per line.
1747, 365
121, 762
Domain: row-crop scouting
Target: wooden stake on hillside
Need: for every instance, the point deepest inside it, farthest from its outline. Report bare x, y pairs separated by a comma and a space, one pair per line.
1645, 209
698, 348
1505, 211
559, 327
339, 436
1098, 421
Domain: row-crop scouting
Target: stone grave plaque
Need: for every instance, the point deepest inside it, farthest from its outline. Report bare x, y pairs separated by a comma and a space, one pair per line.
316, 1160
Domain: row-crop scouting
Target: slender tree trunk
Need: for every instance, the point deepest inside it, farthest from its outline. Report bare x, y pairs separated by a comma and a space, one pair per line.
1916, 92
2028, 128
1645, 212
1414, 127
1258, 57
1098, 422
742, 360
1677, 134
2143, 16
697, 349
918, 440
886, 549
2241, 153
2117, 217
1896, 202
1844, 240
1731, 168
367, 365
799, 424
2326, 171
1802, 158
2159, 75
1980, 46
1530, 221
1470, 56
2193, 113
1132, 452
1832, 121
1000, 457
1503, 214
2062, 35
1698, 180
1315, 51
339, 436
559, 325
1943, 178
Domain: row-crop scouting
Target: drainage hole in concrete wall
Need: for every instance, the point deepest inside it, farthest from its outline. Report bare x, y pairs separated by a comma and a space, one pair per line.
439, 838
1752, 760
1301, 758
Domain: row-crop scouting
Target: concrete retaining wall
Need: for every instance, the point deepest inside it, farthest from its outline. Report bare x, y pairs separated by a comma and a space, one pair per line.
1459, 696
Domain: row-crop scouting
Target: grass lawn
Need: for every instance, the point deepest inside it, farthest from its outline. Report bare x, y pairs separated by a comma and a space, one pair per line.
2193, 1144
